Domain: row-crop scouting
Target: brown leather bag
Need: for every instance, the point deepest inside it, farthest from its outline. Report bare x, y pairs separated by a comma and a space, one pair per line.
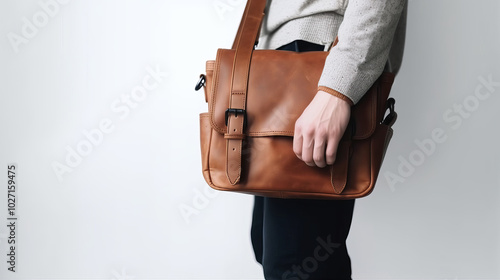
254, 98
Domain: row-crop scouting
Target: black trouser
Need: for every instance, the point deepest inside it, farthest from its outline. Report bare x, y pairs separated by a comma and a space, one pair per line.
302, 238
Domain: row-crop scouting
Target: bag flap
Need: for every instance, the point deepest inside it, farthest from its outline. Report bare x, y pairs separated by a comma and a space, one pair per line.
280, 86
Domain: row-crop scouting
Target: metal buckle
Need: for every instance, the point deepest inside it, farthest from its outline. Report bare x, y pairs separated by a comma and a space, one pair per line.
200, 83
390, 105
236, 112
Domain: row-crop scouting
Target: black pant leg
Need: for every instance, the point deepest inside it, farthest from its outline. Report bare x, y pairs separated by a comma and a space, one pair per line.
306, 239
257, 226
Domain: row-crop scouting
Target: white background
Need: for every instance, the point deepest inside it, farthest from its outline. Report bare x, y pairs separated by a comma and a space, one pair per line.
117, 214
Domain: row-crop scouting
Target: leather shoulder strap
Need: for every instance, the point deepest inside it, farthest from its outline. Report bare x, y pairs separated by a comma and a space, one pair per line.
244, 43
245, 15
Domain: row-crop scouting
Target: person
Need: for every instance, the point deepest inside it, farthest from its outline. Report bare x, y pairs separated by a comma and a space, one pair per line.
304, 238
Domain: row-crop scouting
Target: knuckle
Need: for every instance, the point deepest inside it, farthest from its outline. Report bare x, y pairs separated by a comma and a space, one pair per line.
318, 159
297, 151
298, 127
307, 159
308, 131
331, 154
330, 159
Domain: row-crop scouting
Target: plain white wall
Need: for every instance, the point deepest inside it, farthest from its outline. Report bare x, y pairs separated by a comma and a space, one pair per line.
118, 213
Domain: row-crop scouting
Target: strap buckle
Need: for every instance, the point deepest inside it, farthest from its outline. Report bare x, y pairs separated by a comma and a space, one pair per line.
236, 112
201, 82
391, 117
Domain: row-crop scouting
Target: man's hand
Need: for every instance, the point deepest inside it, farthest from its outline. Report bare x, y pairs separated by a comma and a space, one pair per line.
319, 129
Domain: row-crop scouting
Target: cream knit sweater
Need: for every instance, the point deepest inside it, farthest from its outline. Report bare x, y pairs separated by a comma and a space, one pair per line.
371, 36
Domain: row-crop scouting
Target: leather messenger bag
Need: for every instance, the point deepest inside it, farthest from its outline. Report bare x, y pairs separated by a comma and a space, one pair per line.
254, 98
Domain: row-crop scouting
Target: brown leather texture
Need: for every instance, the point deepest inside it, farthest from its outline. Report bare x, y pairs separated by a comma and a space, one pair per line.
252, 153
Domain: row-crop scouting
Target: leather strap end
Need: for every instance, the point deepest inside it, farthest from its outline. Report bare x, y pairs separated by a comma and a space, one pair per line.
340, 166
233, 160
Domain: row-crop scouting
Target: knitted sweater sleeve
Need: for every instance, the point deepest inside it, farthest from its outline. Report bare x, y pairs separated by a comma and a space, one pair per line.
365, 39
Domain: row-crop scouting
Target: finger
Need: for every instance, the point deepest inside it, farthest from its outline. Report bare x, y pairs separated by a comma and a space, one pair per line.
319, 152
307, 150
331, 150
297, 144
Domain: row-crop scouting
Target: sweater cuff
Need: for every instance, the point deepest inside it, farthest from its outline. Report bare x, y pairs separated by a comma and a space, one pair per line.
336, 94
